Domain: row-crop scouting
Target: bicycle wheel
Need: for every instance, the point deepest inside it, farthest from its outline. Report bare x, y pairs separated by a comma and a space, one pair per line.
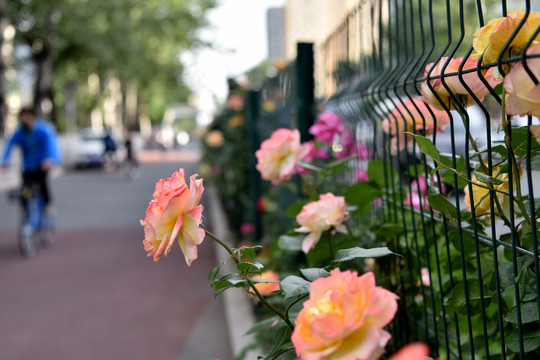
27, 241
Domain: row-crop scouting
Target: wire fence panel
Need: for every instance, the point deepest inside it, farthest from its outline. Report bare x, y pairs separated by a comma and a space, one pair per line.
434, 89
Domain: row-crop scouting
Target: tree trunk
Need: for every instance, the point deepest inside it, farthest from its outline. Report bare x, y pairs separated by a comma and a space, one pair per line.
3, 107
45, 65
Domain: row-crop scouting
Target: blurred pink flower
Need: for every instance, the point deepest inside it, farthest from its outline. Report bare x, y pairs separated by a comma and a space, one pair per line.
413, 116
246, 228
414, 351
174, 214
361, 175
344, 318
363, 152
472, 80
278, 155
327, 125
348, 145
319, 216
424, 272
523, 93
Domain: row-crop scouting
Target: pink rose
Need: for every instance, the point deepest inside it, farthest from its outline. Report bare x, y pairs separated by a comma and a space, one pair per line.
327, 125
472, 80
415, 351
413, 116
174, 214
344, 318
523, 93
318, 216
361, 175
348, 145
278, 155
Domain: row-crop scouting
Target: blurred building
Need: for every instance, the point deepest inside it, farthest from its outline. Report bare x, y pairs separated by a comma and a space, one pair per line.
312, 21
275, 22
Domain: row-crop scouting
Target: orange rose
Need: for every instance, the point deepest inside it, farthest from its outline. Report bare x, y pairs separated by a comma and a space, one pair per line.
472, 80
174, 214
344, 318
491, 38
266, 288
214, 139
523, 93
319, 216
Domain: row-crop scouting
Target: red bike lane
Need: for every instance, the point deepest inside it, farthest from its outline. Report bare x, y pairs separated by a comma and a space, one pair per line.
94, 294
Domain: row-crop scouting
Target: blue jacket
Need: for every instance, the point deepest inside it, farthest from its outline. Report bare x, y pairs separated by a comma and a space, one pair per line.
37, 145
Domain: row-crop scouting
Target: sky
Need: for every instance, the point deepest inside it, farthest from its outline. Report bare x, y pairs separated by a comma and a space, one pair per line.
237, 33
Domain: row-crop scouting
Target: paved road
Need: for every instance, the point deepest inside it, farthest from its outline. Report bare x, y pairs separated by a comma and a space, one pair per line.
94, 294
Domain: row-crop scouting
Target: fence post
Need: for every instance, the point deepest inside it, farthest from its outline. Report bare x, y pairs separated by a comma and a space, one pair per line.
306, 89
252, 116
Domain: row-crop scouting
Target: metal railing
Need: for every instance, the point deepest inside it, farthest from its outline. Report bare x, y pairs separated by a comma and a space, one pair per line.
469, 285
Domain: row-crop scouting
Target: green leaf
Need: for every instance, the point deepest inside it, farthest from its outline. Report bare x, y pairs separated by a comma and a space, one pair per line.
313, 274
246, 266
486, 179
529, 313
361, 193
458, 301
440, 203
214, 273
294, 209
294, 286
250, 251
519, 141
262, 325
388, 230
291, 243
360, 253
531, 339
376, 173
427, 147
311, 167
499, 89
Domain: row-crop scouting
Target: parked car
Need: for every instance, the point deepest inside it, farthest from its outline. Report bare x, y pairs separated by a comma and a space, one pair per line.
89, 149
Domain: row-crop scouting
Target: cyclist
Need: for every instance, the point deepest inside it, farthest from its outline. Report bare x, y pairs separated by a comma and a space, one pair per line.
40, 150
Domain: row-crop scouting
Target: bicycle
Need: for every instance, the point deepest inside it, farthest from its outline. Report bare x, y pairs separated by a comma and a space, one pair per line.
36, 222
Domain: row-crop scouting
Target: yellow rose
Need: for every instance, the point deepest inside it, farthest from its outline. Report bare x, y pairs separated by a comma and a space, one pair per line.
214, 139
481, 195
492, 37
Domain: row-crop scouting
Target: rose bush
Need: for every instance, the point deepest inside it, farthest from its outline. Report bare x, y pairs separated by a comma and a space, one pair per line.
344, 318
174, 214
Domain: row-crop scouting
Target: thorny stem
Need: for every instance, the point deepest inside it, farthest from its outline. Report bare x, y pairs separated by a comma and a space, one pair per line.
250, 282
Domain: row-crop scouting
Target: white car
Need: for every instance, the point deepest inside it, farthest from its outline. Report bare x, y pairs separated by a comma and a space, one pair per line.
89, 149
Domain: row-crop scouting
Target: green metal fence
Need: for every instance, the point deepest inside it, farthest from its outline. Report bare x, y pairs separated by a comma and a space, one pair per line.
468, 280
479, 292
